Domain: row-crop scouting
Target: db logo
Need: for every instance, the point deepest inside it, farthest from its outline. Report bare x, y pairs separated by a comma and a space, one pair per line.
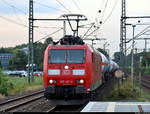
66, 72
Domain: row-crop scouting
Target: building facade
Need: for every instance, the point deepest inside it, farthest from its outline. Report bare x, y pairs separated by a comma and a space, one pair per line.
4, 59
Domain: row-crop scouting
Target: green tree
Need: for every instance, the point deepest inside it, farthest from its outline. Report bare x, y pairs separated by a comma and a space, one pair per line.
145, 58
38, 54
4, 85
21, 46
0, 65
19, 61
119, 58
6, 50
47, 42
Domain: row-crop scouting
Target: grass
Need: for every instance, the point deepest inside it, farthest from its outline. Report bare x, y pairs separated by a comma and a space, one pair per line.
20, 85
2, 96
127, 93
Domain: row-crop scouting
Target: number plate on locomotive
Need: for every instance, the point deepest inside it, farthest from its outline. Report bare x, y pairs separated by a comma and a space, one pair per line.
66, 81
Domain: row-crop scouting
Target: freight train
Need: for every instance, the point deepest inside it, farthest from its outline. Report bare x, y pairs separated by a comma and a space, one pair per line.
74, 70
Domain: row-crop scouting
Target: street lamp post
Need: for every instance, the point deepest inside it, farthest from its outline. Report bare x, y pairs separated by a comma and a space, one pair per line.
132, 59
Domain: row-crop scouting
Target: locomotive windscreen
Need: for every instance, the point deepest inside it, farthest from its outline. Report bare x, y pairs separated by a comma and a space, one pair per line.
57, 56
76, 56
67, 56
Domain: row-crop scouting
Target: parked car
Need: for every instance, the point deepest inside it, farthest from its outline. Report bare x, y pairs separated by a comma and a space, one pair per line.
15, 73
38, 73
21, 73
24, 74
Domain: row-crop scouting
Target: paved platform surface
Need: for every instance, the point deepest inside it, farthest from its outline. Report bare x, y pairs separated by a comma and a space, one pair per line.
117, 107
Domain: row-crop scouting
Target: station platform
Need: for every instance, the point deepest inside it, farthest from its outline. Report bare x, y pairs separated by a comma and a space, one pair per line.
117, 107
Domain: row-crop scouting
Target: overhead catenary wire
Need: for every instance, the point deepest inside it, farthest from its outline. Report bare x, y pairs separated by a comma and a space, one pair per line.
24, 25
17, 23
104, 10
77, 6
101, 4
47, 6
12, 21
141, 33
85, 25
93, 31
56, 9
98, 27
63, 6
76, 2
49, 35
111, 11
92, 24
13, 6
17, 15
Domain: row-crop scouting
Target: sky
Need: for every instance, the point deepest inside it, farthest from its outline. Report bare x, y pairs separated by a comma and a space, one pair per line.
14, 20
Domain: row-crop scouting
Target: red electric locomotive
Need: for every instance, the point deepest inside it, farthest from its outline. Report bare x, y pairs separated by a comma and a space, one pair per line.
72, 73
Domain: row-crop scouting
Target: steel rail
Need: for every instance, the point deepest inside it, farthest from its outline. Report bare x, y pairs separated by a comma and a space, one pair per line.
21, 97
28, 99
146, 82
50, 110
20, 104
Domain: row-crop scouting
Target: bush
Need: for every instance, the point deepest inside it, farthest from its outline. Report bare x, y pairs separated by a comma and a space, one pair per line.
128, 69
126, 92
4, 85
145, 70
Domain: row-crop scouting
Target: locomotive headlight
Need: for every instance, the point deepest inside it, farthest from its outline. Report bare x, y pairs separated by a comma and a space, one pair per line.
51, 81
81, 81
79, 72
53, 72
66, 67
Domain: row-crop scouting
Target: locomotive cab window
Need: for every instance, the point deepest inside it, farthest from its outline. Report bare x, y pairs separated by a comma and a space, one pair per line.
57, 56
76, 56
67, 56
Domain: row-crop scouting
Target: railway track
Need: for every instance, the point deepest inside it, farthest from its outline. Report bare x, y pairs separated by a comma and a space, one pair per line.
11, 104
145, 83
